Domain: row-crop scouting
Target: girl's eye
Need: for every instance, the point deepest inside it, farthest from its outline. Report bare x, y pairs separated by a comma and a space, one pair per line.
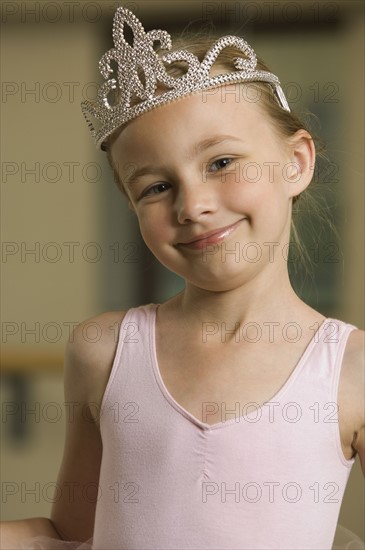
219, 164
156, 189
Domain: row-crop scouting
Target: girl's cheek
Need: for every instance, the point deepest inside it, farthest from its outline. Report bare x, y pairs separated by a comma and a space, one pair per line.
149, 224
237, 186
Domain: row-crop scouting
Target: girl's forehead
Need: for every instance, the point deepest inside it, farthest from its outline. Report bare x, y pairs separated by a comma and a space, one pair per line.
219, 111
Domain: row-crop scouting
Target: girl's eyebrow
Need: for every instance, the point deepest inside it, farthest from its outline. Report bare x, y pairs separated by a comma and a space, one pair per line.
204, 144
196, 149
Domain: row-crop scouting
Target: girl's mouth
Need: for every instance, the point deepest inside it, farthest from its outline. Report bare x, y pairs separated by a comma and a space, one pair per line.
211, 237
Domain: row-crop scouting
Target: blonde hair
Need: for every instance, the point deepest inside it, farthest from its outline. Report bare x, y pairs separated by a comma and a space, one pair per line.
285, 123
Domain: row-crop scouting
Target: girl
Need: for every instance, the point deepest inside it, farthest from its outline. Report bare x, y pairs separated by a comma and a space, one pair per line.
230, 416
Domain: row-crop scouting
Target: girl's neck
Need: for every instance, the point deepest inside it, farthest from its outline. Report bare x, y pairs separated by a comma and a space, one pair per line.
256, 301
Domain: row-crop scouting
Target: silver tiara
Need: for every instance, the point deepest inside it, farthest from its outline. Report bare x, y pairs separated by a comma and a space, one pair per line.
131, 60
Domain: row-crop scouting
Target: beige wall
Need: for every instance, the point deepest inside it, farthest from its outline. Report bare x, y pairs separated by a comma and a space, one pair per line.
38, 131
44, 131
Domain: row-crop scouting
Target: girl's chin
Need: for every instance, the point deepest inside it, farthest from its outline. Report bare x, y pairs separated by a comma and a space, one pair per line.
213, 288
218, 282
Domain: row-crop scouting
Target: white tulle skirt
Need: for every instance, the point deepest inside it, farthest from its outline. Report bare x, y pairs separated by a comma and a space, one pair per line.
344, 540
47, 543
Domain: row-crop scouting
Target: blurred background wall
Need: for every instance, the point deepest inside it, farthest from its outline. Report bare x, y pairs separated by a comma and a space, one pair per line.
70, 246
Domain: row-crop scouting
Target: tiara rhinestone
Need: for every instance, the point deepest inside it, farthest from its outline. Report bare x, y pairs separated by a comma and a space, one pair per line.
131, 60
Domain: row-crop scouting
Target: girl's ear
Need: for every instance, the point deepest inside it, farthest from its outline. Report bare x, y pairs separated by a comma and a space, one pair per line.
299, 172
131, 207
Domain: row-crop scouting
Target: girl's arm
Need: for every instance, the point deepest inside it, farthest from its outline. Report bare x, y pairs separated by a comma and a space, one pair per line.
86, 372
87, 369
356, 391
13, 533
359, 446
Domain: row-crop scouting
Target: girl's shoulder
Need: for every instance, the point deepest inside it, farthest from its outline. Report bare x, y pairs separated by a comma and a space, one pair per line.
353, 366
89, 355
94, 340
351, 398
356, 344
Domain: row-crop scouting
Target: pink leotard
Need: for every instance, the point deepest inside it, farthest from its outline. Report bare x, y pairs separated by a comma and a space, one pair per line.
265, 477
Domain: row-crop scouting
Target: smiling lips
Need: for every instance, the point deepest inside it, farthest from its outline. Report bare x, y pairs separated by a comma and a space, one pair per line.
211, 237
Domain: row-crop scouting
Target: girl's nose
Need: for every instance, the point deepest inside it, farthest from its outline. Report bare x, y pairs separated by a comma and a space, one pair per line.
195, 201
